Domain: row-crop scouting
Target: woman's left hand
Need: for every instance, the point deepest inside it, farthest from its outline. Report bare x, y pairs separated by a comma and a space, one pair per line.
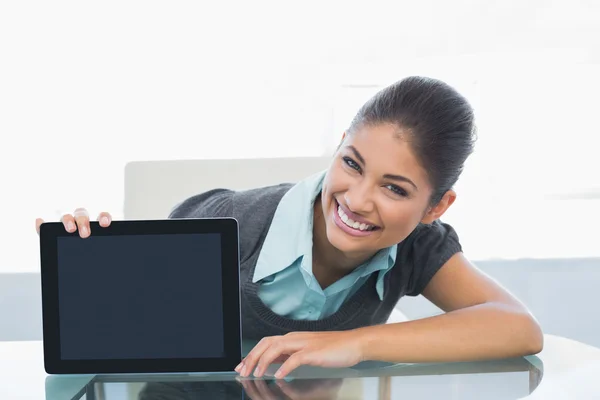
323, 349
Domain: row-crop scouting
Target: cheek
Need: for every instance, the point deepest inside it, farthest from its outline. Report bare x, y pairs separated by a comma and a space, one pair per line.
400, 220
330, 184
336, 180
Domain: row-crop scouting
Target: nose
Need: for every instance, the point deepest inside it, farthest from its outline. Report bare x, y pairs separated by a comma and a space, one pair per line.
358, 199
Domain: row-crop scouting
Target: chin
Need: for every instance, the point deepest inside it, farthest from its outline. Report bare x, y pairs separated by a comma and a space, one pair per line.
339, 242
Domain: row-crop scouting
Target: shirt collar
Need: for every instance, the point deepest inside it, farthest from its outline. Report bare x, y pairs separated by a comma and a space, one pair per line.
383, 267
290, 236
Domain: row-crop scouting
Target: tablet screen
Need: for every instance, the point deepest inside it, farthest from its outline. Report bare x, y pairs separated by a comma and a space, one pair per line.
140, 296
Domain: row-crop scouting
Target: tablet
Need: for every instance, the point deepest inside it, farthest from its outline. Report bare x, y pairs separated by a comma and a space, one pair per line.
141, 297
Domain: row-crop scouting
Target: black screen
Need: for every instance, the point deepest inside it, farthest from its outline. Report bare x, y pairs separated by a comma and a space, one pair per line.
140, 296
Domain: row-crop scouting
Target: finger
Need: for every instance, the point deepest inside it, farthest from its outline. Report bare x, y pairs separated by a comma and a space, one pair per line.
278, 360
281, 359
82, 218
250, 361
69, 223
105, 219
275, 351
38, 224
295, 360
264, 390
239, 366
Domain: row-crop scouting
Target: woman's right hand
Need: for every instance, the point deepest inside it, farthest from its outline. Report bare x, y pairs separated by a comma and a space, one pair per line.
79, 220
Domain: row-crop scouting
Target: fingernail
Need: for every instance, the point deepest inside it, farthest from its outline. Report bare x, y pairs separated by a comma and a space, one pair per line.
70, 226
278, 374
237, 369
243, 373
84, 230
104, 220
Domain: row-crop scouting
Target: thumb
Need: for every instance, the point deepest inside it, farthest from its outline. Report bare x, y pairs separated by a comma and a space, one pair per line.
38, 223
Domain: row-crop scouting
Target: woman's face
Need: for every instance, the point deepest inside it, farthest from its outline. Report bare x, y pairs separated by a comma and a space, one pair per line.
376, 185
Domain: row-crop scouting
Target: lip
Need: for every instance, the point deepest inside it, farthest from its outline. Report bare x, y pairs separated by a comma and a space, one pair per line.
353, 216
346, 229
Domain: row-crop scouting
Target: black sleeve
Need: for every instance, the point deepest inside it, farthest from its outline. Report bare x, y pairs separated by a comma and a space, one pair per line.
216, 203
432, 246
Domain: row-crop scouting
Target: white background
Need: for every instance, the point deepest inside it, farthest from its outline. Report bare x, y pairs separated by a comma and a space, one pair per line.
87, 87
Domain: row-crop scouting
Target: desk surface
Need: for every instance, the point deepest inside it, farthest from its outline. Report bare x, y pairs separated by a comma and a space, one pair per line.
565, 369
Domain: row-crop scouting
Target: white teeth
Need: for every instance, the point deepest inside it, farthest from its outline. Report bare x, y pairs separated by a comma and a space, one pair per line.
351, 223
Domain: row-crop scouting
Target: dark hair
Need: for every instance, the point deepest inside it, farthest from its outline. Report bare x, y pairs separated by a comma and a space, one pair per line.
434, 118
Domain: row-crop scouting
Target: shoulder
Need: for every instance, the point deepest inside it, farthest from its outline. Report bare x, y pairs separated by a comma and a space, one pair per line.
253, 209
436, 234
260, 197
425, 251
209, 204
221, 202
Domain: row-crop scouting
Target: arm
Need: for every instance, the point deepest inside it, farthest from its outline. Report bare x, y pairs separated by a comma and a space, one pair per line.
482, 321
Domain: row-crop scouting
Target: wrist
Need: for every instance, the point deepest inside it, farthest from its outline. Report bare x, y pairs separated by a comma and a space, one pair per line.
364, 339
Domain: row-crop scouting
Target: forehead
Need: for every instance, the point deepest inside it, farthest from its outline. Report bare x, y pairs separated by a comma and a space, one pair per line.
387, 150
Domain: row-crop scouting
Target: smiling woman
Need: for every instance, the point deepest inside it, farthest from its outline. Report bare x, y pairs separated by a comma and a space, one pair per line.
324, 261
334, 253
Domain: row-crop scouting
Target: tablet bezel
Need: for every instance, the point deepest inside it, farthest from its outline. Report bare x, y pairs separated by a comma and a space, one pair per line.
226, 227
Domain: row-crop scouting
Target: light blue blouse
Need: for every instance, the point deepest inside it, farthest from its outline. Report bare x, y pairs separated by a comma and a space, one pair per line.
284, 266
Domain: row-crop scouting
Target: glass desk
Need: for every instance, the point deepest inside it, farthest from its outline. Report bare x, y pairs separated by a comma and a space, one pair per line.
565, 369
507, 379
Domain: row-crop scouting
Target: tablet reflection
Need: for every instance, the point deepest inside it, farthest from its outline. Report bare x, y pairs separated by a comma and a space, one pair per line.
243, 389
503, 379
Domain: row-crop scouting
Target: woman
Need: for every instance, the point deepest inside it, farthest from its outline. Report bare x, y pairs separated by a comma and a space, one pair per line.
324, 262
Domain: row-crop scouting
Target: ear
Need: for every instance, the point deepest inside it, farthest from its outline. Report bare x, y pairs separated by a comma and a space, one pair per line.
437, 211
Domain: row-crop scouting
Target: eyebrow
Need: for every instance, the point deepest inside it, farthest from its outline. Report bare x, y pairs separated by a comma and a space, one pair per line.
399, 178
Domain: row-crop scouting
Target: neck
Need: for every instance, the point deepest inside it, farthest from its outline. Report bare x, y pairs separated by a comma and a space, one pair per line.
329, 263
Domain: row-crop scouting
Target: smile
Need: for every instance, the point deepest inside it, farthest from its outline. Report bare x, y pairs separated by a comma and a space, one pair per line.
350, 226
353, 224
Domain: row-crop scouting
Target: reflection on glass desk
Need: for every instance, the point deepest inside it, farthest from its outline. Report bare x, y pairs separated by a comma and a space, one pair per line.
565, 369
506, 379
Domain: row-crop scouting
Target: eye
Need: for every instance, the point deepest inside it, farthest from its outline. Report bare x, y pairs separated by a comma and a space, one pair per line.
351, 163
397, 190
